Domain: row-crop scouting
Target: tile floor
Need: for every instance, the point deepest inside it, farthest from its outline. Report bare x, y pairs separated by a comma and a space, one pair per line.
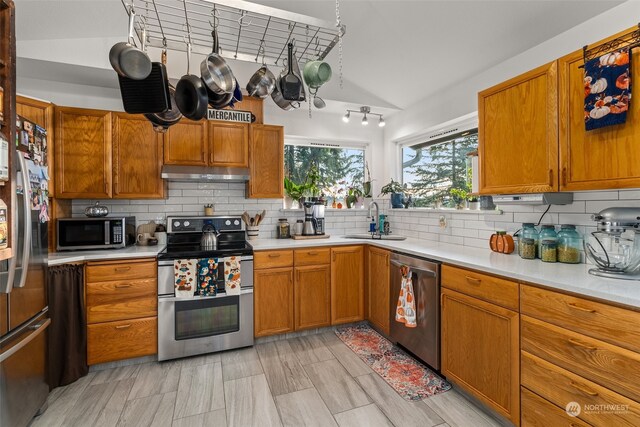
312, 380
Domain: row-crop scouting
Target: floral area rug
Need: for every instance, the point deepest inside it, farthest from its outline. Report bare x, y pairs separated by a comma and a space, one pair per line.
411, 379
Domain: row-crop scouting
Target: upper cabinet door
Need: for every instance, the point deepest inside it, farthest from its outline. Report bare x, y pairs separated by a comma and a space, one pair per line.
518, 131
254, 105
82, 153
186, 143
266, 162
603, 158
137, 158
228, 144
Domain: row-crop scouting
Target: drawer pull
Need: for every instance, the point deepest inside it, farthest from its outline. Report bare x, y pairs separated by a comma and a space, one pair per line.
583, 389
123, 326
274, 255
577, 307
123, 286
312, 253
127, 268
473, 280
581, 344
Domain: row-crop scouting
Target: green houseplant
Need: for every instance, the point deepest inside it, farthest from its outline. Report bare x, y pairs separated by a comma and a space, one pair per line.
293, 192
459, 197
366, 186
395, 189
354, 192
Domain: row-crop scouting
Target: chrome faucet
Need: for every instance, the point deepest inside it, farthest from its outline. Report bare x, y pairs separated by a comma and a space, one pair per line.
376, 219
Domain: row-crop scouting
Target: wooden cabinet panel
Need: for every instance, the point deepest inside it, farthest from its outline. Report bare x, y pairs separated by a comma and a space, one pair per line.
82, 153
228, 144
137, 158
254, 105
186, 143
480, 351
121, 300
347, 284
272, 259
312, 295
610, 366
378, 283
518, 134
312, 256
538, 412
266, 162
591, 318
560, 387
273, 301
603, 158
124, 339
489, 288
130, 269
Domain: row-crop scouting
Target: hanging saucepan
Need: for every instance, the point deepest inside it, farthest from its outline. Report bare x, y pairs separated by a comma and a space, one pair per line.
191, 94
237, 95
290, 82
128, 60
277, 97
261, 83
219, 101
215, 71
162, 121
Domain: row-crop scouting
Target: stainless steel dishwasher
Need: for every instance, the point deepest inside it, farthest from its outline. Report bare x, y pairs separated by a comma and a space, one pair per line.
423, 340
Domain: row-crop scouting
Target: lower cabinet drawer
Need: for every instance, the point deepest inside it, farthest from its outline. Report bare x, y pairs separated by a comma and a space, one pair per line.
562, 387
312, 256
121, 300
120, 340
272, 259
538, 412
613, 367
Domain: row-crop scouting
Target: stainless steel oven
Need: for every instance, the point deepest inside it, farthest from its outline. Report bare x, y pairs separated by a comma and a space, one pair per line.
203, 324
95, 233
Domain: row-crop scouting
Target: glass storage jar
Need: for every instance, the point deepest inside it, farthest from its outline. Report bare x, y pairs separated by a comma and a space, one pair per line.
527, 248
284, 232
547, 232
569, 244
548, 250
528, 232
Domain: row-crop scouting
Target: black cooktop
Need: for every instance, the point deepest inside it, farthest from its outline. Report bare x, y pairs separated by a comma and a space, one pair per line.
195, 251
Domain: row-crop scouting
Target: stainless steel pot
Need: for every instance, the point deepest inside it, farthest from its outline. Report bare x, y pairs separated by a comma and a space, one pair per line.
277, 97
262, 83
215, 71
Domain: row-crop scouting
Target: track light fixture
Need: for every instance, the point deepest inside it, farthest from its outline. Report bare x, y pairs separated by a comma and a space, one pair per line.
364, 110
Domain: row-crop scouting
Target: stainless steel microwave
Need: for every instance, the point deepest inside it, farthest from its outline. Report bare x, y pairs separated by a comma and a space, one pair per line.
95, 233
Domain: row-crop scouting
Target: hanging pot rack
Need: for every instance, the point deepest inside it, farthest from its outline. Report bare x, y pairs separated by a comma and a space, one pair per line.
246, 31
631, 40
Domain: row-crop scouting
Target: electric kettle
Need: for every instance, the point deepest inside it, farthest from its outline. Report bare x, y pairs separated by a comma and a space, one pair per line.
209, 238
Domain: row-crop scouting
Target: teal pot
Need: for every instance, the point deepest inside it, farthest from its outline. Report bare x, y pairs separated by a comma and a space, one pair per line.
396, 200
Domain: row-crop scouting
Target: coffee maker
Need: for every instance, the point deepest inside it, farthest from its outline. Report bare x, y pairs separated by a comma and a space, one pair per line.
318, 215
310, 225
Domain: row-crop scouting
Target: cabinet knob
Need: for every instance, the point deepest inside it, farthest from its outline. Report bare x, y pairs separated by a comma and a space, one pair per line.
577, 343
583, 389
564, 176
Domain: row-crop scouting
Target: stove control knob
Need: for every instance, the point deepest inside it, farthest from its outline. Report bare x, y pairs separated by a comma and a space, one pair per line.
236, 222
176, 224
227, 222
187, 223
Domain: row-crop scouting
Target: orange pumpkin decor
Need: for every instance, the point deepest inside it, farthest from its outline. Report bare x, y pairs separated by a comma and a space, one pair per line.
502, 242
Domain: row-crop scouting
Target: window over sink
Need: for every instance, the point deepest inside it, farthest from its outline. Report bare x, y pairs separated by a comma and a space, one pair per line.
431, 170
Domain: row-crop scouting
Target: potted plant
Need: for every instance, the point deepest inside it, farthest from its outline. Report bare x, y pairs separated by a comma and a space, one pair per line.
474, 204
293, 193
354, 193
366, 186
459, 197
395, 189
310, 187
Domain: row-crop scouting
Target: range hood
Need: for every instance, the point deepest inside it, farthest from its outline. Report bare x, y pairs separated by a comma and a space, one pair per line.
204, 174
534, 199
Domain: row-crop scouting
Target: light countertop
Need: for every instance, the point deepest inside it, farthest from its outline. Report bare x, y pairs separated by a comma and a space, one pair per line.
565, 277
57, 258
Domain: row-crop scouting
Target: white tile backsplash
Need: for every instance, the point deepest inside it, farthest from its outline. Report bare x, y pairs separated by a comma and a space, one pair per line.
463, 228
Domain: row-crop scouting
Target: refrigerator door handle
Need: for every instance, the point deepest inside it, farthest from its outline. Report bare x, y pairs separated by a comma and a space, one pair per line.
38, 329
26, 250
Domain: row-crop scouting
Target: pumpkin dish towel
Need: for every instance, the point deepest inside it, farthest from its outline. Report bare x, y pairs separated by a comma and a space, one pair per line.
406, 310
207, 274
607, 89
185, 277
232, 275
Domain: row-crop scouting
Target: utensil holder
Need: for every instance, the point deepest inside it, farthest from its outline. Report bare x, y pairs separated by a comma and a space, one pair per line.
208, 211
252, 232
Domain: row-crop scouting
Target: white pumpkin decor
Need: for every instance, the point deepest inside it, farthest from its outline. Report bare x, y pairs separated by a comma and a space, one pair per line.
599, 86
599, 112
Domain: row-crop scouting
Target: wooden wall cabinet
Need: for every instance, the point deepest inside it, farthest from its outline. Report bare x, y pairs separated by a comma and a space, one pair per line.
606, 158
518, 134
266, 162
273, 300
137, 158
83, 158
347, 284
228, 144
122, 307
379, 288
480, 341
187, 143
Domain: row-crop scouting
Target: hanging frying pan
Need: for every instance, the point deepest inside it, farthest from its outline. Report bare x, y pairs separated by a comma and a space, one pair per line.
128, 60
162, 121
191, 94
215, 71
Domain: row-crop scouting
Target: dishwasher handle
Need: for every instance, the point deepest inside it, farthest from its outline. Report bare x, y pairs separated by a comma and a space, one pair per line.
429, 273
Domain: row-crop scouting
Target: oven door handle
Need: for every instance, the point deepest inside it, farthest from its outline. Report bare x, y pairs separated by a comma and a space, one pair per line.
162, 298
169, 262
429, 273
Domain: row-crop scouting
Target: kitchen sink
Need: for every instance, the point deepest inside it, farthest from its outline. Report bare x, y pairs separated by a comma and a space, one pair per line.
367, 236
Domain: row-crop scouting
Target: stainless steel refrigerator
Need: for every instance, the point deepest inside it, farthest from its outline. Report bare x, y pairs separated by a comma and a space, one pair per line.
23, 291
